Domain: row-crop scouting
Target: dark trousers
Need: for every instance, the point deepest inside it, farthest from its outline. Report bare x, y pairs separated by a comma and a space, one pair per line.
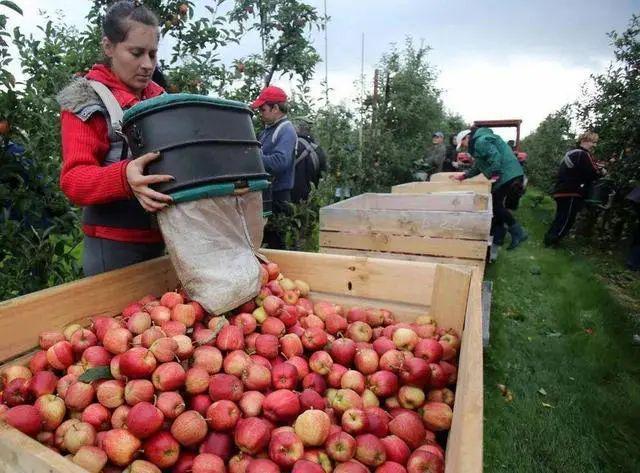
567, 209
101, 255
273, 235
501, 214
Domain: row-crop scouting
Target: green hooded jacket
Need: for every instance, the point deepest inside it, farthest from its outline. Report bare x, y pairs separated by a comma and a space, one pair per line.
493, 157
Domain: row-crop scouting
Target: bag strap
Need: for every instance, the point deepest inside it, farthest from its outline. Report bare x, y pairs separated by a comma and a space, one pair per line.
309, 150
113, 107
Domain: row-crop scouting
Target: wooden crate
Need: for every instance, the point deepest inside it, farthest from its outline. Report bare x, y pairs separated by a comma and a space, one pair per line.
443, 186
446, 176
451, 227
409, 289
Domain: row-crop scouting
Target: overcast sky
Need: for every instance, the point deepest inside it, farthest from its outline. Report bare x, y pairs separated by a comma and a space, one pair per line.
496, 58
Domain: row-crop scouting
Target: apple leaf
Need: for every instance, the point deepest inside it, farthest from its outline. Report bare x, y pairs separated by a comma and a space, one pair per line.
542, 391
94, 374
547, 405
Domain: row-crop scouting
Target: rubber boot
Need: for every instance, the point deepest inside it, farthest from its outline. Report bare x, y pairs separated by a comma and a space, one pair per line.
499, 232
518, 235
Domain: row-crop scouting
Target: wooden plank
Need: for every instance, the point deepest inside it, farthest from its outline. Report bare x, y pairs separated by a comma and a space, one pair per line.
464, 445
442, 186
462, 201
58, 306
382, 279
465, 225
487, 291
22, 454
450, 293
404, 256
446, 176
375, 241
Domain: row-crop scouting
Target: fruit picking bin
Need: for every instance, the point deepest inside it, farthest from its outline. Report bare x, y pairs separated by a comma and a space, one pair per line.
407, 288
442, 227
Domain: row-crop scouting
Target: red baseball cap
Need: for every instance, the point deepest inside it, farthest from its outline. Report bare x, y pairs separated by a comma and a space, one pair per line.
271, 94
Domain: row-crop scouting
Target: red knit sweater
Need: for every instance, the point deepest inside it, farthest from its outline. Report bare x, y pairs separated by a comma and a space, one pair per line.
84, 146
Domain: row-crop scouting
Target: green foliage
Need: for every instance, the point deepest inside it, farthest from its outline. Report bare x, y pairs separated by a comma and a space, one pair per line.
547, 145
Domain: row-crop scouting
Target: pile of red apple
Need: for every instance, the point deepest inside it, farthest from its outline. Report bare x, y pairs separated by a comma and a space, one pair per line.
280, 384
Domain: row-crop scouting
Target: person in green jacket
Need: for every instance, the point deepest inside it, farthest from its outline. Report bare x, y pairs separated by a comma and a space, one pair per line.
496, 161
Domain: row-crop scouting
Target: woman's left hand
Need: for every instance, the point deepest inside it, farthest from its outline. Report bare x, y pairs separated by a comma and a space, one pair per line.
151, 201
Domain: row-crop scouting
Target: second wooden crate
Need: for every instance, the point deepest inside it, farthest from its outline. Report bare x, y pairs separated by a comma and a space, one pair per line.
448, 227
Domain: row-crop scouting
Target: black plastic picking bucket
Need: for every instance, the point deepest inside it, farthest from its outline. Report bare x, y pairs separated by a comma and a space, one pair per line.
202, 140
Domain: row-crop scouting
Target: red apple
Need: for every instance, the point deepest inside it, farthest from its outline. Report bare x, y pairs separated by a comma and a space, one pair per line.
168, 376
314, 338
437, 416
405, 339
352, 466
246, 322
354, 421
117, 340
218, 443
285, 448
51, 410
252, 435
282, 405
343, 351
189, 428
208, 463
79, 435
370, 450
251, 403
137, 363
164, 349
120, 446
353, 379
409, 427
223, 415
429, 350
60, 355
138, 390
335, 374
230, 338
144, 419
314, 381
256, 377
267, 346
42, 382
396, 449
80, 395
392, 360
284, 376
98, 416
411, 397
210, 358
92, 459
415, 371
377, 421
162, 449
383, 383
312, 427
310, 399
171, 404
197, 380
301, 366
421, 461
366, 360
359, 332
225, 386
320, 362
438, 377
341, 447
38, 362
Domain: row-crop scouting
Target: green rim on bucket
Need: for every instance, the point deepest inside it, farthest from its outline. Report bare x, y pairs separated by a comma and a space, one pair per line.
170, 100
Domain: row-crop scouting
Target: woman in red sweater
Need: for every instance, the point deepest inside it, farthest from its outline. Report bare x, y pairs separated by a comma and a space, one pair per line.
118, 204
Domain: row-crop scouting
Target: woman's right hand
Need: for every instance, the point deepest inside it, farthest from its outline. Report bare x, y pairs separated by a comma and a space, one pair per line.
151, 201
457, 177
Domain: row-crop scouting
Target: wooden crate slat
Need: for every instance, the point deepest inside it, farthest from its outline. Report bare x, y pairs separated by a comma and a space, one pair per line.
58, 306
22, 454
466, 225
464, 201
359, 277
441, 186
404, 256
374, 241
464, 445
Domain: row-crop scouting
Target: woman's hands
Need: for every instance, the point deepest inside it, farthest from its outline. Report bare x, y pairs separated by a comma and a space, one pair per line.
457, 177
150, 200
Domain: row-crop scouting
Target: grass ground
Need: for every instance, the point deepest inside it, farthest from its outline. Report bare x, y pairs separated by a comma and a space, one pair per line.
562, 322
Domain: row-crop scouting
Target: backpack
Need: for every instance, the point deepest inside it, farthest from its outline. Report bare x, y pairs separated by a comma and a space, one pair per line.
309, 150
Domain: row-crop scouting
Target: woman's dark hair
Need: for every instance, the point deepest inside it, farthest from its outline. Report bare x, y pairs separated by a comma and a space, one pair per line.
115, 24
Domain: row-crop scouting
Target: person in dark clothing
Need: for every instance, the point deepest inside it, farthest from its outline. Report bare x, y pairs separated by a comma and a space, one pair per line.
633, 261
310, 163
578, 170
278, 140
495, 160
450, 155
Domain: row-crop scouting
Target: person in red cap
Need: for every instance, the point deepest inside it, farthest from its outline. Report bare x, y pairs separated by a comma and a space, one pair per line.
278, 141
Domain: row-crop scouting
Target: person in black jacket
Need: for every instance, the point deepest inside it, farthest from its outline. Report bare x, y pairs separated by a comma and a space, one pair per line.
578, 170
450, 155
310, 162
